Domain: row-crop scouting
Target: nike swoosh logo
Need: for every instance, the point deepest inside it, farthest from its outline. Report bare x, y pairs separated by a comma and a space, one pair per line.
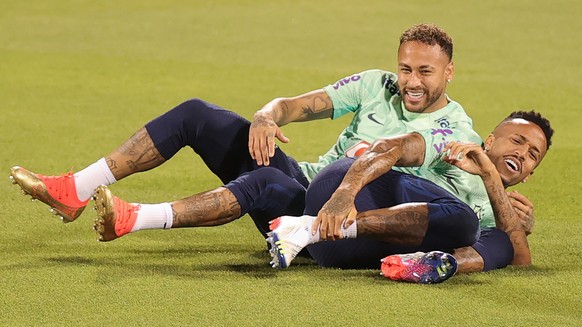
371, 117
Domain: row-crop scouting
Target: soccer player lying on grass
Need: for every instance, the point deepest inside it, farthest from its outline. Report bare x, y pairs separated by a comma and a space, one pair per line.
399, 212
237, 150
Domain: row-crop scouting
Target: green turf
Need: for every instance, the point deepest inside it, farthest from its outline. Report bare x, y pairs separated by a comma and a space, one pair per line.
78, 77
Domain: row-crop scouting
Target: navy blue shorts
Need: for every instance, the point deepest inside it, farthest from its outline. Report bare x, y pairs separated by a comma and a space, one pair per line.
452, 223
495, 248
220, 138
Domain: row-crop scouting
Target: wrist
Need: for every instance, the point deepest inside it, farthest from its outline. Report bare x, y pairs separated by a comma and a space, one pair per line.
348, 190
490, 172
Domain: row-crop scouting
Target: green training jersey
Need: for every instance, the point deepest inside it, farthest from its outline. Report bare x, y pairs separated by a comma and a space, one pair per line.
466, 187
373, 97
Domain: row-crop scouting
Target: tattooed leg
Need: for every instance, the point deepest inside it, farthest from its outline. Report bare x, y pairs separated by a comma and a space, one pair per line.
212, 208
404, 224
137, 154
468, 260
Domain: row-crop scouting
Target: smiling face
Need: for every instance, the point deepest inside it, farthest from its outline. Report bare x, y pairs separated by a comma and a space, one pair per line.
516, 148
423, 72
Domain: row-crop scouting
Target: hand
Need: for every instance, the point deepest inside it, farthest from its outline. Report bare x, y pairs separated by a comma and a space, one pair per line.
524, 209
470, 157
262, 135
339, 209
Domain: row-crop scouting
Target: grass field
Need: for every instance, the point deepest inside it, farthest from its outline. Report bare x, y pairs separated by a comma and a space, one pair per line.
78, 77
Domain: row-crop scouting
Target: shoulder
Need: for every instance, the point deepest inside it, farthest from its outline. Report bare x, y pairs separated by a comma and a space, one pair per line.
381, 79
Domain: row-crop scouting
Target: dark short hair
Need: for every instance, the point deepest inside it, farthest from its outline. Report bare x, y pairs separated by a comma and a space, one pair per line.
536, 118
429, 34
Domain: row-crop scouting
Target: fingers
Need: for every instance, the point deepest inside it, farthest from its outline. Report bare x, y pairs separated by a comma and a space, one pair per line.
330, 226
520, 197
262, 143
350, 219
524, 209
519, 207
316, 225
521, 204
457, 151
279, 134
262, 147
326, 227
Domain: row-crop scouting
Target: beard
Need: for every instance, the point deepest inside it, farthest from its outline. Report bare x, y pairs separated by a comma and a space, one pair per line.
431, 97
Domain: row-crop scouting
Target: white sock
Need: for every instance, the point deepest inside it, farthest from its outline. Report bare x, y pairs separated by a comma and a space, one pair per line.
87, 180
154, 216
350, 232
308, 223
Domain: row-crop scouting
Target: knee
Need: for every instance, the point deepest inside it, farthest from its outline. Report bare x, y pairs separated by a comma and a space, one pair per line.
269, 175
192, 106
495, 248
333, 174
468, 223
452, 225
274, 186
324, 184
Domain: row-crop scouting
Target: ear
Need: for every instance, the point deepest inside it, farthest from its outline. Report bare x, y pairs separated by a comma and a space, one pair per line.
489, 142
527, 177
450, 71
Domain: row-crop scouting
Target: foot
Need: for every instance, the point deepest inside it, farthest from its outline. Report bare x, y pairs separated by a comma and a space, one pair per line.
288, 237
115, 216
58, 192
422, 268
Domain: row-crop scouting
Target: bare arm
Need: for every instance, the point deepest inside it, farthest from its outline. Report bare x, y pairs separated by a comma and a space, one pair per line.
525, 210
281, 111
507, 219
383, 154
475, 161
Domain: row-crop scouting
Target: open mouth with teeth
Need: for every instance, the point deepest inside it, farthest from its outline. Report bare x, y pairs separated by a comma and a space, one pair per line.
415, 95
512, 164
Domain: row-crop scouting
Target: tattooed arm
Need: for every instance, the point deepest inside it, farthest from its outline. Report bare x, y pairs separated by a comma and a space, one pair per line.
507, 220
281, 111
475, 161
378, 159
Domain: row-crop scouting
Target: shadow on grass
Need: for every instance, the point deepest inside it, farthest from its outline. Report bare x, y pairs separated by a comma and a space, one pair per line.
189, 262
213, 262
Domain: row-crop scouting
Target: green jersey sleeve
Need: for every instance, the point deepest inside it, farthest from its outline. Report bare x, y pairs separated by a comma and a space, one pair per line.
362, 90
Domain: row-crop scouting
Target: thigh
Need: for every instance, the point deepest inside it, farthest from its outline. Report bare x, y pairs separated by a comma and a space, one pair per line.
390, 189
495, 248
218, 136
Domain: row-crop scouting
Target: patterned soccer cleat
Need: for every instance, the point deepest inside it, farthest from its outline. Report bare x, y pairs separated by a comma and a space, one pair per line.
422, 268
288, 237
58, 192
115, 216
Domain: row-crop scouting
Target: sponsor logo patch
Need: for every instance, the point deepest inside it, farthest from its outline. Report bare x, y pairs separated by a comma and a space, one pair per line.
345, 81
